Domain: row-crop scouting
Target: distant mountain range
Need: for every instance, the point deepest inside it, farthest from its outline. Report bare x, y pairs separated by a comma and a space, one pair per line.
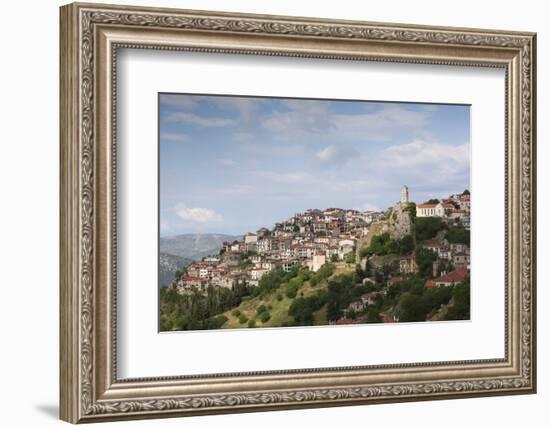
179, 251
194, 246
168, 265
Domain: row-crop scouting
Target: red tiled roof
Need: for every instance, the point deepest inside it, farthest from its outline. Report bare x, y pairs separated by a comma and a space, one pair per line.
433, 245
430, 284
344, 321
457, 275
426, 205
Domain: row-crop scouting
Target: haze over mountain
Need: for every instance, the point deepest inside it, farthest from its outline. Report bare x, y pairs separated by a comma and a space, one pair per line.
194, 246
180, 251
168, 265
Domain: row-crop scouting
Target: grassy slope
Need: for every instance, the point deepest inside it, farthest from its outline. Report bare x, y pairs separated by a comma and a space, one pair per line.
279, 311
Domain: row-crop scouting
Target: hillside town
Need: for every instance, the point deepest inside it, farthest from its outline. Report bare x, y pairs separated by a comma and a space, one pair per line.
316, 237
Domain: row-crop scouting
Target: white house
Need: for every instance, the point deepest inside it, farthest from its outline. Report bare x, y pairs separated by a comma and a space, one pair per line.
345, 246
434, 210
317, 261
257, 273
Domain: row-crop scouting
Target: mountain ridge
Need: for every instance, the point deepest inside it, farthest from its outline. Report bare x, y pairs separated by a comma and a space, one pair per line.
194, 245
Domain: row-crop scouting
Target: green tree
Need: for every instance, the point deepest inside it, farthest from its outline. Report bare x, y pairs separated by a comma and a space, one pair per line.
460, 310
261, 309
265, 316
458, 234
302, 312
427, 227
350, 257
411, 210
373, 315
291, 290
243, 319
424, 260
334, 258
180, 272
412, 308
406, 245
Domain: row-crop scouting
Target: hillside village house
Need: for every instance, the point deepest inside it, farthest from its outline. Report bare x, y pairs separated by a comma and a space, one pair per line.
314, 237
461, 260
441, 249
407, 265
450, 279
455, 209
438, 210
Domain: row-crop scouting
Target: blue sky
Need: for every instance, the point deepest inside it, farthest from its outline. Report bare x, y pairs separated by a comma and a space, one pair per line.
234, 164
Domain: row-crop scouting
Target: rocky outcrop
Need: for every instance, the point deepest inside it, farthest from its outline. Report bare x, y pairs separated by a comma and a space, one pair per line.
398, 224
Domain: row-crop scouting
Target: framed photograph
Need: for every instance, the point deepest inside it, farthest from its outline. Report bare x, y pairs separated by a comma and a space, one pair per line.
266, 213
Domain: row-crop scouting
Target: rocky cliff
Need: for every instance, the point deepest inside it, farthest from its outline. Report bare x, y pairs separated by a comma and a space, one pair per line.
398, 224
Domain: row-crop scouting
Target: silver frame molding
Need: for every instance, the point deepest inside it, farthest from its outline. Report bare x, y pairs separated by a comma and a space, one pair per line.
90, 37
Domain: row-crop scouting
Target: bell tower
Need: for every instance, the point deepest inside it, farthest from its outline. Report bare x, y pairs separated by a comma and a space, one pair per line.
405, 195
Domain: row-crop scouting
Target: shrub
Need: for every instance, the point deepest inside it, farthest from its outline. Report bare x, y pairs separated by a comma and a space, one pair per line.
291, 290
251, 323
261, 309
301, 310
350, 257
215, 322
236, 313
243, 318
265, 316
460, 310
279, 297
424, 260
427, 228
458, 234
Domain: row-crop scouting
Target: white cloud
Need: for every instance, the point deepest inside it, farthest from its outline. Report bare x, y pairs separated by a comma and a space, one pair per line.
228, 163
427, 167
422, 155
247, 108
338, 155
186, 102
168, 136
369, 207
190, 118
199, 215
310, 118
243, 136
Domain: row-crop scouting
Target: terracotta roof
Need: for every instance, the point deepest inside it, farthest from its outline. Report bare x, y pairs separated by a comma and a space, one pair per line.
430, 283
454, 276
426, 205
457, 275
344, 321
434, 245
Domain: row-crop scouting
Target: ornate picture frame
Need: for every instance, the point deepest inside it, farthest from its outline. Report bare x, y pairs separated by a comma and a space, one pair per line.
90, 37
